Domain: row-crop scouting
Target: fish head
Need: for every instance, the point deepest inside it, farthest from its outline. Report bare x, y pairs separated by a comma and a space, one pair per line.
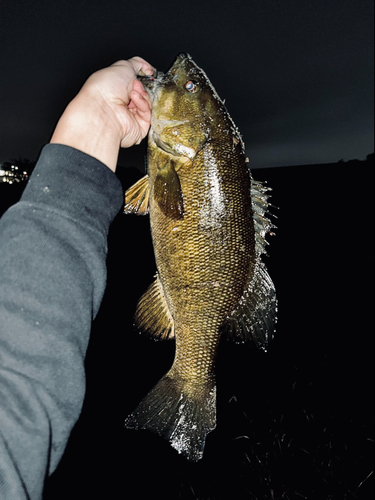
186, 112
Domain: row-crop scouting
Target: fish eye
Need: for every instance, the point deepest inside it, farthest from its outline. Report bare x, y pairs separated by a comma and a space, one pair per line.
191, 86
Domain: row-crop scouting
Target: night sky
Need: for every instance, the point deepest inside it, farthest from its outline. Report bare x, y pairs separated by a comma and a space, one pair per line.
297, 75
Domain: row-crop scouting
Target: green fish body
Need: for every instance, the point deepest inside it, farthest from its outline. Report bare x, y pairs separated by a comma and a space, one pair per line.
208, 224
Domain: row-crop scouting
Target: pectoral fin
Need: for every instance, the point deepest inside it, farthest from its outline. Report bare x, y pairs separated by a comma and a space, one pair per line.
137, 196
254, 318
168, 193
152, 315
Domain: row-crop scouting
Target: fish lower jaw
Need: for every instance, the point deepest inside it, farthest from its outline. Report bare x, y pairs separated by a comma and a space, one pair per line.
178, 150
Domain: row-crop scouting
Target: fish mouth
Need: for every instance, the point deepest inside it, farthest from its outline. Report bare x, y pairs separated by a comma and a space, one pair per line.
150, 80
154, 82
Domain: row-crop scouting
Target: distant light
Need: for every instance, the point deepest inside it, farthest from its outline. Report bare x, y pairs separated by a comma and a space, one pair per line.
10, 174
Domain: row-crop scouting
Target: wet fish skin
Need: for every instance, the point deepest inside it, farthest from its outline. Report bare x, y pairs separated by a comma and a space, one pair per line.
210, 277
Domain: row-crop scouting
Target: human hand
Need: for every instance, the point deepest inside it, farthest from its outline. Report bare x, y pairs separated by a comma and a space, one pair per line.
111, 110
123, 97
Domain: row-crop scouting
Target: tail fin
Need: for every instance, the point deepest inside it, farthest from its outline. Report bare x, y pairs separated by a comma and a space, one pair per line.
181, 418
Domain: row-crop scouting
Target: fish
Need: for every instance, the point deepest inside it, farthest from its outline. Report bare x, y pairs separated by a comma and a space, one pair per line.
209, 220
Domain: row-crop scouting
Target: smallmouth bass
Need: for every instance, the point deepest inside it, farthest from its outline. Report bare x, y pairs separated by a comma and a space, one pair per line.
208, 222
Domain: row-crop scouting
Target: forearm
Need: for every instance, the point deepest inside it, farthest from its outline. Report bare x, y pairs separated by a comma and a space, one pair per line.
52, 278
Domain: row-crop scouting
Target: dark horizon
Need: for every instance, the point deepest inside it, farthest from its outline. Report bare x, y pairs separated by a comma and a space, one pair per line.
29, 164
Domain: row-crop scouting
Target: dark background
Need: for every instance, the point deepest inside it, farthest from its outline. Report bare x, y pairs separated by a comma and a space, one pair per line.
294, 423
297, 75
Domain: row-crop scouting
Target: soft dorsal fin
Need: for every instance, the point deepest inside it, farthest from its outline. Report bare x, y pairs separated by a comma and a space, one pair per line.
167, 191
137, 196
152, 315
255, 317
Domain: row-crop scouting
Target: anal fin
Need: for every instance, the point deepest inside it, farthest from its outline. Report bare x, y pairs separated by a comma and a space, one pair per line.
137, 197
255, 316
152, 315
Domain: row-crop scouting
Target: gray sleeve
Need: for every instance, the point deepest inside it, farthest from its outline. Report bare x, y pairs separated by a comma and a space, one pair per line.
53, 247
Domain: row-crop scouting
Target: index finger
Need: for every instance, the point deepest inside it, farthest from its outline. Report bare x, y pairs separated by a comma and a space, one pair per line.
142, 67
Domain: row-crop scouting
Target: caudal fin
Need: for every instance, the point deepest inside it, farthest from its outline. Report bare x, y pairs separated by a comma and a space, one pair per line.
181, 418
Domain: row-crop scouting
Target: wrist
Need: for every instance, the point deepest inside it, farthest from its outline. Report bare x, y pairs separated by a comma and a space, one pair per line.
89, 126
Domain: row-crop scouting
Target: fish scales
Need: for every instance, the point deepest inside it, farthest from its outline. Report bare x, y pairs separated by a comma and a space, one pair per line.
213, 255
210, 279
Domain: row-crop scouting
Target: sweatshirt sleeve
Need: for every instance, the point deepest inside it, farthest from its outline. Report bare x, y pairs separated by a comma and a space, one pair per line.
53, 247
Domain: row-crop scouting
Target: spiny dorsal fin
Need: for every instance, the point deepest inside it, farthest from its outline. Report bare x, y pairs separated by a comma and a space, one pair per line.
255, 317
137, 196
152, 315
262, 224
167, 191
